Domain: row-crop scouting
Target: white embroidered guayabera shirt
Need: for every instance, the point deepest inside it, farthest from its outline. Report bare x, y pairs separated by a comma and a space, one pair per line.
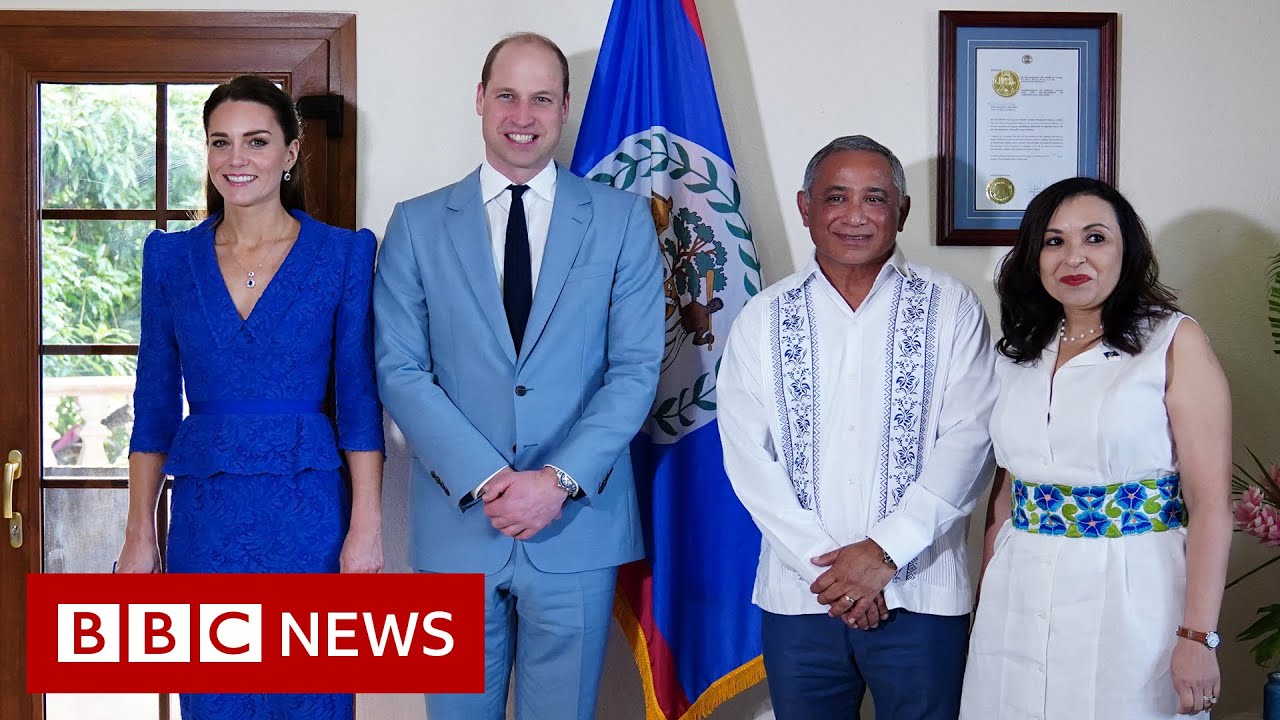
840, 425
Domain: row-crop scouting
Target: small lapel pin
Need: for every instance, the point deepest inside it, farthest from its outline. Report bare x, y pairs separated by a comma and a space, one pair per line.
1110, 354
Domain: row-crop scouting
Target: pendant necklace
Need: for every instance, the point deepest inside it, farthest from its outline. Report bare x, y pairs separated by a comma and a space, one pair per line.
251, 276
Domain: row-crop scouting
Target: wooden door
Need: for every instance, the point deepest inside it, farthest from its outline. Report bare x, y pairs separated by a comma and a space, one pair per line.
98, 146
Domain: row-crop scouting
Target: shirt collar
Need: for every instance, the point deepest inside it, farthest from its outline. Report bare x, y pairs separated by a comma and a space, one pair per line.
494, 183
1100, 352
897, 262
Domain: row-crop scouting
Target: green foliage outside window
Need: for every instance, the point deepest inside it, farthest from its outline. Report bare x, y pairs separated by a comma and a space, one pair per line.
98, 147
98, 151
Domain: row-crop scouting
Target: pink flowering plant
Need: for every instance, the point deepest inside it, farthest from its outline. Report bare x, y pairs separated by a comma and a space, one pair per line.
1257, 514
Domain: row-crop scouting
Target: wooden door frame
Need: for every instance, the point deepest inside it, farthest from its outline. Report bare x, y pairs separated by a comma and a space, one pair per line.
39, 46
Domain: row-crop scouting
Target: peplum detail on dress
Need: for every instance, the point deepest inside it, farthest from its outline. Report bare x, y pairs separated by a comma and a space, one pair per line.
250, 444
255, 385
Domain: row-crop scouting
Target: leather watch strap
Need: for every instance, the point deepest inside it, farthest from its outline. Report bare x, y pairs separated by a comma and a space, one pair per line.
1208, 639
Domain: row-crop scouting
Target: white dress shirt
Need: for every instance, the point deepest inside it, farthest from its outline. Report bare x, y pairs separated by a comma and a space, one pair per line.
538, 200
890, 403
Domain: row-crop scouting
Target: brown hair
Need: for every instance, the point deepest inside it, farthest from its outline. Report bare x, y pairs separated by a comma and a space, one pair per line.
254, 88
525, 37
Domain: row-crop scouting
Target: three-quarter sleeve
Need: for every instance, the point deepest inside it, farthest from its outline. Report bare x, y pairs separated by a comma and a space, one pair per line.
157, 394
359, 414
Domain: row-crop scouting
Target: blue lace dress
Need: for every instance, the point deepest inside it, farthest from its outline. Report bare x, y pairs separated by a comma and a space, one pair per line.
257, 483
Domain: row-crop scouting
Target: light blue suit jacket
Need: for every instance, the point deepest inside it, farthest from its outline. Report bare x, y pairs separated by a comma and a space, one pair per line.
575, 397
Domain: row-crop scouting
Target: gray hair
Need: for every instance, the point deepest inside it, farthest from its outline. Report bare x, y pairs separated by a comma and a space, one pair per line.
858, 143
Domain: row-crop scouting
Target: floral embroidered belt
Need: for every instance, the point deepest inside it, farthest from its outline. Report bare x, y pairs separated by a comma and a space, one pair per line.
1098, 511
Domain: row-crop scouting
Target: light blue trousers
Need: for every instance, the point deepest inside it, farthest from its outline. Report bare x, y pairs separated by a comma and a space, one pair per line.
554, 627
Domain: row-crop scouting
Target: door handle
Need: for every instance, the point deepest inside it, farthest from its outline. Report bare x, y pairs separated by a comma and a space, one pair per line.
12, 471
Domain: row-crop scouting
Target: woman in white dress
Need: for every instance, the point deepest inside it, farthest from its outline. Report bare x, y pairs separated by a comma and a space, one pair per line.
1107, 535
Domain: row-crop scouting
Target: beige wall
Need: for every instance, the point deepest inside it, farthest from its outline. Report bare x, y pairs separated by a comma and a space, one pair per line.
1198, 96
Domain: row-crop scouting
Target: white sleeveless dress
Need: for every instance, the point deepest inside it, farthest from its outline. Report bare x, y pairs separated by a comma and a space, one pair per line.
1076, 621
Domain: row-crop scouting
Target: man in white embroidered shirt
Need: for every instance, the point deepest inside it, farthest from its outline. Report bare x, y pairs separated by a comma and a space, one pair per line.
853, 403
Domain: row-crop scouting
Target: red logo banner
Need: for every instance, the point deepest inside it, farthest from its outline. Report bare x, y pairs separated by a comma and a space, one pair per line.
255, 633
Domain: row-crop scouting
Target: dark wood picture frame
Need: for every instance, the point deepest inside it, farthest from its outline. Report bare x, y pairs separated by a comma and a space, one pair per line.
950, 23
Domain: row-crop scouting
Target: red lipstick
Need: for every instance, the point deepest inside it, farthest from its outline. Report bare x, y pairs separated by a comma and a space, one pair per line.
1074, 280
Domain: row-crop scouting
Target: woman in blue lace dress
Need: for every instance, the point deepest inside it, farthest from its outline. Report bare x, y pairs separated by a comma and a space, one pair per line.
262, 316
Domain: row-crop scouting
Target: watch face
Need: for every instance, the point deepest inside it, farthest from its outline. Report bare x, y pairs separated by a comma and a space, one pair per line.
1211, 639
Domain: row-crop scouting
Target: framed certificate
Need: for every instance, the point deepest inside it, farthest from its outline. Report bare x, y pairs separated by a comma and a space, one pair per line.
1024, 100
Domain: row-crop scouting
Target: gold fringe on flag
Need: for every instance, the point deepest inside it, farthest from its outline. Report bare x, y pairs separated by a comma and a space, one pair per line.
731, 684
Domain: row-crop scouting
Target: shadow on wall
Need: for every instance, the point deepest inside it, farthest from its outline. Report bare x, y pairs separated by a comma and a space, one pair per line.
582, 67
1216, 261
741, 110
743, 125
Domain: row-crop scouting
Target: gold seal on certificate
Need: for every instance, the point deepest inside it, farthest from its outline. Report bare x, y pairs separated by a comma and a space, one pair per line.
1006, 83
1000, 190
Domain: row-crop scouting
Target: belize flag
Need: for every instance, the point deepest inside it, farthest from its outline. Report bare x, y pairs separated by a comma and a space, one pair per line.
652, 126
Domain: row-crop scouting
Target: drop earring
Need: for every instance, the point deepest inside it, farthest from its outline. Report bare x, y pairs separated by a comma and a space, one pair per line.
288, 176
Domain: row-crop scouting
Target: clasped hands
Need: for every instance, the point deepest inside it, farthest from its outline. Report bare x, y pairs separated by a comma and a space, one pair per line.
853, 584
520, 504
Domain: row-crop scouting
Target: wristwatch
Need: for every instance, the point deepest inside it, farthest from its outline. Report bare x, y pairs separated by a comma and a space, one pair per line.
888, 560
1210, 639
564, 482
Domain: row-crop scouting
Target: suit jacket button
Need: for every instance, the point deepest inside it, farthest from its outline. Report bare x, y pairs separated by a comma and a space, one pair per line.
521, 390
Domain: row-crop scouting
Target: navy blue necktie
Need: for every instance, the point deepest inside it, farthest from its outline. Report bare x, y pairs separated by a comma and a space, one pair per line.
517, 269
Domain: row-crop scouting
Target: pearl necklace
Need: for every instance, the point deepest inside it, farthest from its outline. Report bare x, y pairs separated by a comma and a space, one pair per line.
1063, 337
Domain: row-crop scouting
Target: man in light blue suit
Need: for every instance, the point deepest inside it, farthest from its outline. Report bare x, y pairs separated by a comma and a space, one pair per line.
519, 333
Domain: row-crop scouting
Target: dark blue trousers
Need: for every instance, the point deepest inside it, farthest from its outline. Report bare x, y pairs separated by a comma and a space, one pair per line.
818, 667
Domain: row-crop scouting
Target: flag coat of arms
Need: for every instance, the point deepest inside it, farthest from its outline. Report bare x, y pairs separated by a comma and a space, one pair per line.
652, 126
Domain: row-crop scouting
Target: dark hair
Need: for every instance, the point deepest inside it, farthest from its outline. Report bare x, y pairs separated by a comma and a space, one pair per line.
525, 37
1029, 316
253, 88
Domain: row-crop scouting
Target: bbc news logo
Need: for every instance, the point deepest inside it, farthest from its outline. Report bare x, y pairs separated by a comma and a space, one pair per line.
255, 633
233, 633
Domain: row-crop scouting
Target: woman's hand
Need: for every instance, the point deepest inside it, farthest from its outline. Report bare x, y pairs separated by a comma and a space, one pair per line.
361, 551
1195, 676
140, 555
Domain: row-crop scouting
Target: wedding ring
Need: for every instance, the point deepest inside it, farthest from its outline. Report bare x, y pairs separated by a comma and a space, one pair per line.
1210, 701
852, 602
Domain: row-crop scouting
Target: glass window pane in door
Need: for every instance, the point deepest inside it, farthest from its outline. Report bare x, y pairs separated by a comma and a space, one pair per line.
91, 276
186, 146
86, 417
98, 146
83, 528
